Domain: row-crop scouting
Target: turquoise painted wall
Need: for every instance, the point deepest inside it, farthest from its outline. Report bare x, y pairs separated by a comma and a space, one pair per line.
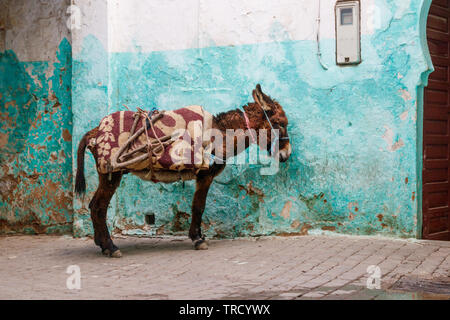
36, 143
354, 130
90, 99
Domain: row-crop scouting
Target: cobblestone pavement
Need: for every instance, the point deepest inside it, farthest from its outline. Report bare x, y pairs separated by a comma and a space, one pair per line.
307, 267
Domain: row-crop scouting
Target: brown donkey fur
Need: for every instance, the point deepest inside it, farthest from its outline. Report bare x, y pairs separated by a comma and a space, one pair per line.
234, 119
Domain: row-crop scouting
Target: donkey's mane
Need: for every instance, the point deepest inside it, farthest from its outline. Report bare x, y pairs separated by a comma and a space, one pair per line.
225, 115
224, 119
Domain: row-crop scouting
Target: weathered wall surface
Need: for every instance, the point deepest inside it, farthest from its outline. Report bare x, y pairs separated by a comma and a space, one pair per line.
90, 95
353, 129
35, 117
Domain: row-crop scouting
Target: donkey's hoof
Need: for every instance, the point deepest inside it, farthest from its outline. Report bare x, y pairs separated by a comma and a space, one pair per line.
116, 254
106, 252
200, 244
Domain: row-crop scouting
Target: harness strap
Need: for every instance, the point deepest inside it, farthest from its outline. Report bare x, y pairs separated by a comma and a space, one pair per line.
247, 122
277, 137
271, 127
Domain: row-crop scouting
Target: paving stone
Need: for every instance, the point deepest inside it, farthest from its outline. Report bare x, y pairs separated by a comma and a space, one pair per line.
308, 267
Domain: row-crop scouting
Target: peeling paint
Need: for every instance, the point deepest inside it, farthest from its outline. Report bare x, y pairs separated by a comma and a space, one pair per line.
36, 120
285, 212
404, 115
405, 95
388, 136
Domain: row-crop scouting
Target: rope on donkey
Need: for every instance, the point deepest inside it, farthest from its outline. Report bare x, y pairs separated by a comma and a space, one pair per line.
154, 147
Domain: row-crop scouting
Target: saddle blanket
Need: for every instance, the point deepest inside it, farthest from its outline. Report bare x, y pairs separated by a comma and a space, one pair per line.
188, 125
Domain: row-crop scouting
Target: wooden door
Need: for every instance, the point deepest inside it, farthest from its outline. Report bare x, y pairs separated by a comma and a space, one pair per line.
436, 127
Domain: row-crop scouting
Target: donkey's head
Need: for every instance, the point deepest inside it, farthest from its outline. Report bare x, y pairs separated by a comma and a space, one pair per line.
274, 118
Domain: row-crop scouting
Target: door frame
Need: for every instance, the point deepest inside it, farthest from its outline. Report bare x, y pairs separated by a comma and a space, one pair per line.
423, 82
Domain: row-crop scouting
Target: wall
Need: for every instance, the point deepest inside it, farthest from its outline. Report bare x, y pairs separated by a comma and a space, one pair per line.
354, 167
35, 117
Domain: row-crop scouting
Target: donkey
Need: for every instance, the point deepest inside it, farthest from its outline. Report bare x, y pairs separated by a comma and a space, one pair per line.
263, 113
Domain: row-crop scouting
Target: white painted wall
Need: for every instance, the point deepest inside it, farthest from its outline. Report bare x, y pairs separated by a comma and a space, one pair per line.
157, 25
34, 29
90, 18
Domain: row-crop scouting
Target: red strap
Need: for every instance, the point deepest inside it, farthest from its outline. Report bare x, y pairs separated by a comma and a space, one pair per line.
248, 127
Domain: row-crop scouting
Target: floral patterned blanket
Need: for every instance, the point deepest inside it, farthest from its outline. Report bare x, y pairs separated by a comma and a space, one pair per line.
187, 125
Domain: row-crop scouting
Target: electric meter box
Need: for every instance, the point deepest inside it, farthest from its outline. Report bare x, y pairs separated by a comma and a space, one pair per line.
348, 35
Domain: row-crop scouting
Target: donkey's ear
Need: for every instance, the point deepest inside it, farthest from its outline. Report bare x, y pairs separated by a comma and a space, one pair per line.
258, 88
259, 98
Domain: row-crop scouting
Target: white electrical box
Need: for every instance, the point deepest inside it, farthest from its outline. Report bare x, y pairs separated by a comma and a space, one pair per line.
348, 35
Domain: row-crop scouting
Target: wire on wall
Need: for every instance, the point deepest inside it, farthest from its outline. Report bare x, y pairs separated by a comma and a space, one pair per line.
319, 53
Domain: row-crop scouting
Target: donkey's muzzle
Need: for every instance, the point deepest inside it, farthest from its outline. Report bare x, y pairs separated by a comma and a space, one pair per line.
285, 153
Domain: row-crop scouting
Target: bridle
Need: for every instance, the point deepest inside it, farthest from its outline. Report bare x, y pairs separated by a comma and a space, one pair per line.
247, 123
277, 137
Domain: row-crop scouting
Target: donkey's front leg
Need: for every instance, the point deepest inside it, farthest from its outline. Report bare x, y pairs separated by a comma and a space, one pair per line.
198, 206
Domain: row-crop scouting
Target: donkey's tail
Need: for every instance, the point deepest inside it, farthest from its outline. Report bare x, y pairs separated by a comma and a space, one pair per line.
80, 181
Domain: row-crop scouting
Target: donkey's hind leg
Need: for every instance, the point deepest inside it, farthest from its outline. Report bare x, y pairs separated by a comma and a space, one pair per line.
99, 207
198, 206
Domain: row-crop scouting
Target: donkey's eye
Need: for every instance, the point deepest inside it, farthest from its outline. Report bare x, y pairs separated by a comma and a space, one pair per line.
278, 126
